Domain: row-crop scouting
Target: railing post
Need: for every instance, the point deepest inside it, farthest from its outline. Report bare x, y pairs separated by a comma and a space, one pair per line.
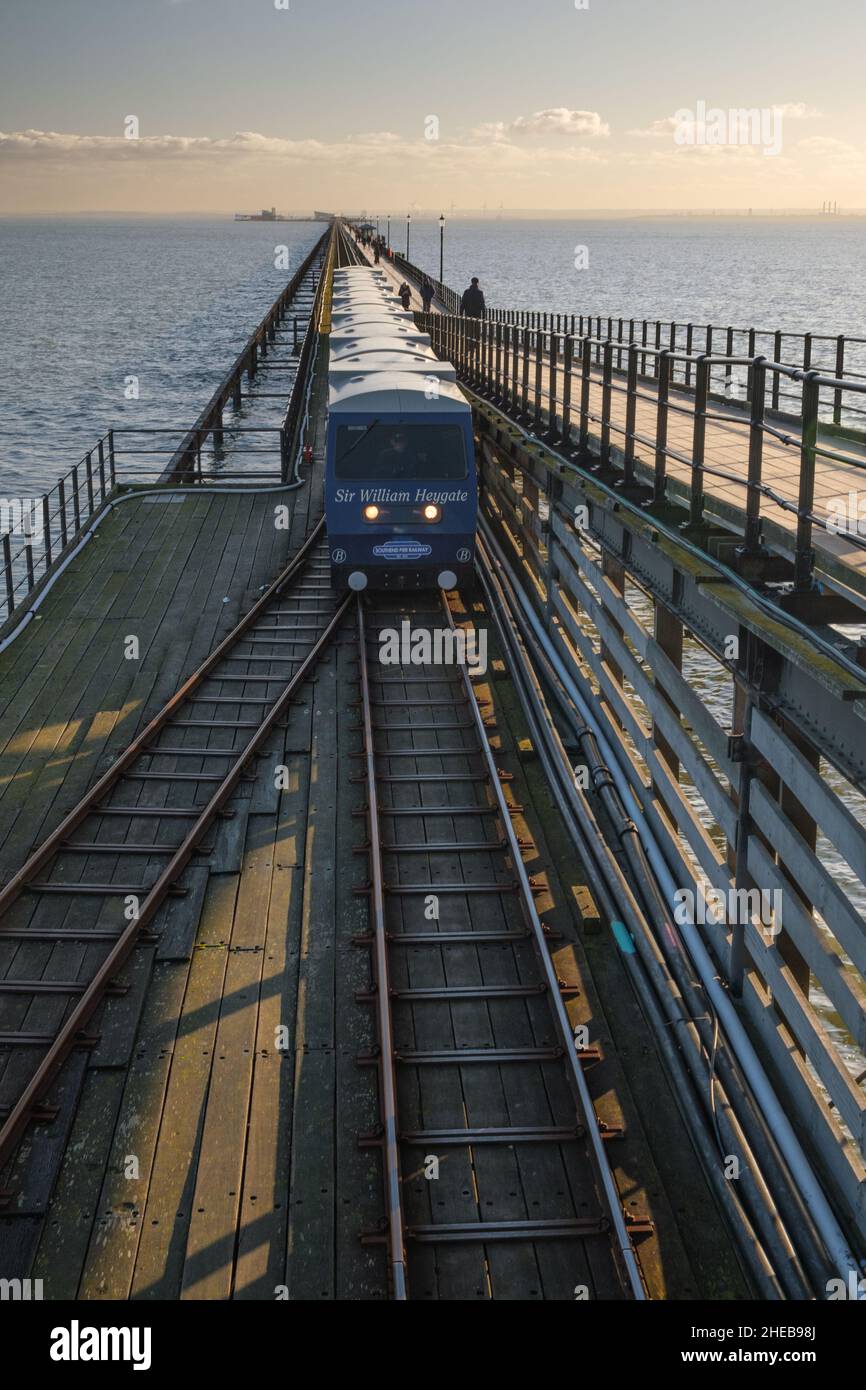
539, 347
101, 471
840, 372
660, 474
28, 556
567, 369
112, 465
505, 392
752, 539
630, 415
690, 330
7, 571
46, 531
643, 338
606, 394
527, 337
702, 390
586, 373
76, 501
805, 556
497, 390
777, 354
64, 530
553, 354
89, 467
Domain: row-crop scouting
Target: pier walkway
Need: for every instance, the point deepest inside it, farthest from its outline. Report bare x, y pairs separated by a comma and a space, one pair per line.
219, 1124
618, 418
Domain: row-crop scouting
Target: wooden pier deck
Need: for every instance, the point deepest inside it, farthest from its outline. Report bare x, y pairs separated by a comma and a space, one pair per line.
206, 1145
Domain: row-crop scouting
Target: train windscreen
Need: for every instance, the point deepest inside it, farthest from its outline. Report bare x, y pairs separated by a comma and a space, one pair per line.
381, 451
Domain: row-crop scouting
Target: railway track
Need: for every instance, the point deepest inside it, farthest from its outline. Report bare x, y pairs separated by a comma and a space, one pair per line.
496, 1176
75, 911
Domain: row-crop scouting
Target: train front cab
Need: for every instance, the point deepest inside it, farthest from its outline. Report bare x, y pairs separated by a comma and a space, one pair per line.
401, 490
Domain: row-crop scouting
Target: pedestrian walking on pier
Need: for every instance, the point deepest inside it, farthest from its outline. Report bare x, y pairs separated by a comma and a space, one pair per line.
427, 295
472, 304
405, 295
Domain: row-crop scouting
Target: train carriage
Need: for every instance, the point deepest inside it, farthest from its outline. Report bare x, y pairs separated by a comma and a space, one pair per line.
400, 482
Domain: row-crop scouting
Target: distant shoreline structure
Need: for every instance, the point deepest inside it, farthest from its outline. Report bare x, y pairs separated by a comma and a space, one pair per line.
271, 215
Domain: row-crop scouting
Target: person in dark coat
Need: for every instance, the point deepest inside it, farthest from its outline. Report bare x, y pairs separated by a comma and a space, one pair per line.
426, 295
472, 303
405, 295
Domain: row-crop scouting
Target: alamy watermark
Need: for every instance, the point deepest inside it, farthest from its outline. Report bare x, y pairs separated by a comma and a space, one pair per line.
709, 906
21, 516
759, 126
422, 646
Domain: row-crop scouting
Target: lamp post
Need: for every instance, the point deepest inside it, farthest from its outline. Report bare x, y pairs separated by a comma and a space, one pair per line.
408, 223
441, 248
388, 233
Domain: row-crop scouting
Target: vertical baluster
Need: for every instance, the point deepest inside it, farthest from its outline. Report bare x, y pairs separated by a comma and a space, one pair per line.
567, 369
585, 375
89, 467
752, 540
539, 349
7, 572
630, 415
702, 388
660, 472
805, 556
606, 394
840, 372
64, 529
46, 531
777, 355
551, 385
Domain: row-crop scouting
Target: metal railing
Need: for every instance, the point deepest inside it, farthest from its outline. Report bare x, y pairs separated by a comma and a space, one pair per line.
739, 808
37, 532
840, 355
553, 382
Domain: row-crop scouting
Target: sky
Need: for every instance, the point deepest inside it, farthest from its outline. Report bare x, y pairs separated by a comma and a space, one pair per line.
188, 106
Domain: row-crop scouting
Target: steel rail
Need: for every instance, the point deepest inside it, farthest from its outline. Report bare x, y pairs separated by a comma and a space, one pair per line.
588, 1116
49, 847
66, 1039
387, 1068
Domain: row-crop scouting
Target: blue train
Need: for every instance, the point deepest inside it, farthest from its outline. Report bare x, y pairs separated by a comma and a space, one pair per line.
401, 494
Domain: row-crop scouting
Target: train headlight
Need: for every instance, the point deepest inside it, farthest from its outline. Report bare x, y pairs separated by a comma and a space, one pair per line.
371, 513
432, 512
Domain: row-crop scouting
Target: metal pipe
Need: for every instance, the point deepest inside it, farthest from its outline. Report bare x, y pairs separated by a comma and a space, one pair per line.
766, 1099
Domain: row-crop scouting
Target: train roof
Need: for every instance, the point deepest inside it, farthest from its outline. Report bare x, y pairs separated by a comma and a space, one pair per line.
384, 317
396, 393
361, 364
359, 271
371, 336
345, 299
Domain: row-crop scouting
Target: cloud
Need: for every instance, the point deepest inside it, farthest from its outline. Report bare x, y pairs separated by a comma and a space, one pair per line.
556, 120
667, 125
52, 148
836, 152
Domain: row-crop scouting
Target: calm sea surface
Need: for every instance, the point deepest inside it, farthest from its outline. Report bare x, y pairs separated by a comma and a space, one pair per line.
88, 303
